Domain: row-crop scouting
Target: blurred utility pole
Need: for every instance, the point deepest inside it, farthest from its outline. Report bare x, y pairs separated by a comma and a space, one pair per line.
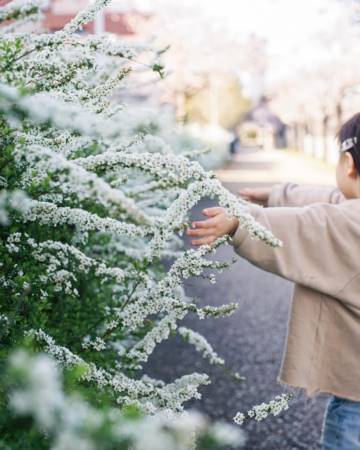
99, 22
214, 99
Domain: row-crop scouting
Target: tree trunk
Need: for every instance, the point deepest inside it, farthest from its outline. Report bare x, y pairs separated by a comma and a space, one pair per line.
325, 125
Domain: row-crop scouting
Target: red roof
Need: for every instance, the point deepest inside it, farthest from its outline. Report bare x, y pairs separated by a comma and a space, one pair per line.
127, 24
124, 24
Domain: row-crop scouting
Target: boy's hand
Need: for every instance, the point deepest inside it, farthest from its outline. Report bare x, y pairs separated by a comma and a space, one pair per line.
257, 195
215, 226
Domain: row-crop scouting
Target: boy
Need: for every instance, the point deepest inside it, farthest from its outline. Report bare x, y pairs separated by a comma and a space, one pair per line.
320, 231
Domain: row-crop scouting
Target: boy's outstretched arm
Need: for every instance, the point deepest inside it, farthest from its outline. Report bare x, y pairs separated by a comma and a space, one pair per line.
291, 194
259, 196
318, 243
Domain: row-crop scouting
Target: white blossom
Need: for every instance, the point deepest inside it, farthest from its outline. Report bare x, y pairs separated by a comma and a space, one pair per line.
84, 16
159, 333
13, 200
201, 345
260, 412
20, 9
47, 213
43, 396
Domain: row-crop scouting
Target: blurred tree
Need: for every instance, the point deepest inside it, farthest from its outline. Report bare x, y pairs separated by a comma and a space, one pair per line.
204, 62
220, 101
325, 88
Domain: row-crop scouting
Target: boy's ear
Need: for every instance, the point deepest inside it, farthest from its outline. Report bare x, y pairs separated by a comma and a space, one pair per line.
350, 165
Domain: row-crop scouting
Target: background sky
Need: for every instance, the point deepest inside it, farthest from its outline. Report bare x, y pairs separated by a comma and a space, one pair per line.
294, 31
306, 50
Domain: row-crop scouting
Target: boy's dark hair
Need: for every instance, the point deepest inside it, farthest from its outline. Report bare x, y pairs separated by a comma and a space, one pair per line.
350, 130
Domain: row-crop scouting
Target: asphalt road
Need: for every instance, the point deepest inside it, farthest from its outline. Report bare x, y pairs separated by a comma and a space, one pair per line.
252, 339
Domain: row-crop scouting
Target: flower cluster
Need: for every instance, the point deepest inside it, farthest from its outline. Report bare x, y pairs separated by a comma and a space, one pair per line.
10, 202
260, 412
201, 345
159, 333
21, 9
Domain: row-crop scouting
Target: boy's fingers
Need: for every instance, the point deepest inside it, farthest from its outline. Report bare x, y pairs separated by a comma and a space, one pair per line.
204, 241
200, 232
203, 223
246, 192
211, 212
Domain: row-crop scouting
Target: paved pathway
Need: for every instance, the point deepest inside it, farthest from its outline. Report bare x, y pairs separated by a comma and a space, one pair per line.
252, 339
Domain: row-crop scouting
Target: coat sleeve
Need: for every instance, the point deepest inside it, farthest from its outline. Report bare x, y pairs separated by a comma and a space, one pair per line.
318, 245
290, 194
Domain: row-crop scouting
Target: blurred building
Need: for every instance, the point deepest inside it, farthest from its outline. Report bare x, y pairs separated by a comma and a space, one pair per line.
126, 23
262, 127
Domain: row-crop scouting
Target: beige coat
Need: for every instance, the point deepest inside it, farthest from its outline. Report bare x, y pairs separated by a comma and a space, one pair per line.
320, 231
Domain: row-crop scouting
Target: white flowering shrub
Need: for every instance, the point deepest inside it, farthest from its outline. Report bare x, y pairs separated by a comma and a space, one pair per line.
40, 401
91, 202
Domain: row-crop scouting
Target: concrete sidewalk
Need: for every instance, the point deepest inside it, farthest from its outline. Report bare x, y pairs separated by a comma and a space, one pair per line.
254, 167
